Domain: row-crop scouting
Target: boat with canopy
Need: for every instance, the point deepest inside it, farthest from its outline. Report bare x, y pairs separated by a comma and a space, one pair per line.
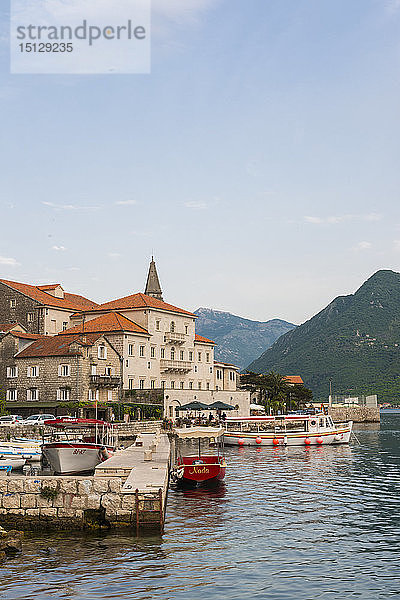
286, 430
202, 467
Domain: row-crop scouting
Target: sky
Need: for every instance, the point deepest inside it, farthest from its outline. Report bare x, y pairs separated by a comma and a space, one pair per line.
258, 160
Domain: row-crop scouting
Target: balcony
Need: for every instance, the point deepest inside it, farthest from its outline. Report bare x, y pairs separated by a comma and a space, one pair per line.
175, 366
172, 337
105, 381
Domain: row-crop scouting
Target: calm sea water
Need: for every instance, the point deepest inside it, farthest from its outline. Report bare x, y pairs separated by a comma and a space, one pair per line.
290, 524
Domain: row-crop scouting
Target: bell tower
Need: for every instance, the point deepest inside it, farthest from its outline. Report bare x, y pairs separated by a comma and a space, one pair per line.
153, 287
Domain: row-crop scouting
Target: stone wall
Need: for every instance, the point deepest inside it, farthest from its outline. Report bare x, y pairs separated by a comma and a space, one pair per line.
19, 314
65, 503
358, 414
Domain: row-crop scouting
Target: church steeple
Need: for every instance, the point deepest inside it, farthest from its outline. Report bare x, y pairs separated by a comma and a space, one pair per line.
153, 287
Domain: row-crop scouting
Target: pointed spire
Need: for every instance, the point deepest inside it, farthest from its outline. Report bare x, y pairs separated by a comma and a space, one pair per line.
153, 287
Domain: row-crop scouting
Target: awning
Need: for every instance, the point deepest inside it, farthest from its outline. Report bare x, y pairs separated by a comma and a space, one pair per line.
199, 432
195, 405
257, 407
218, 405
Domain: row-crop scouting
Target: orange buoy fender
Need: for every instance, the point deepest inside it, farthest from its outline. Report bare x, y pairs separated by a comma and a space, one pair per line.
319, 440
258, 440
241, 441
275, 441
307, 441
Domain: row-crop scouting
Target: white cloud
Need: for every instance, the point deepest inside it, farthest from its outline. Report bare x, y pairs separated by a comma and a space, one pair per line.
8, 262
71, 207
195, 205
396, 245
58, 248
363, 245
114, 254
336, 219
73, 269
126, 202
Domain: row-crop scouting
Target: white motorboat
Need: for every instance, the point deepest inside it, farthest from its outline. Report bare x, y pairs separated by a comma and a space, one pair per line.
15, 462
30, 450
78, 445
286, 430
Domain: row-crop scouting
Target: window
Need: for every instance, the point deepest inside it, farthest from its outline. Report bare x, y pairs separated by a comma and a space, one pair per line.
149, 365
190, 355
181, 385
63, 394
32, 394
232, 375
190, 385
102, 352
152, 384
157, 325
172, 328
12, 395
172, 385
162, 352
130, 349
186, 329
12, 372
172, 353
199, 385
152, 352
141, 384
64, 325
127, 363
219, 374
163, 385
141, 350
199, 356
94, 369
210, 369
109, 396
33, 372
93, 395
207, 357
30, 317
109, 371
130, 383
64, 371
217, 388
13, 303
41, 312
208, 385
181, 355
195, 368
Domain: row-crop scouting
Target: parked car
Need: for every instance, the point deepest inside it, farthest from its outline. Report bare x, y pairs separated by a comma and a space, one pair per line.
37, 419
11, 419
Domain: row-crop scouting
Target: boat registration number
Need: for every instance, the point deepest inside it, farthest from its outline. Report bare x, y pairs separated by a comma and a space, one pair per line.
79, 451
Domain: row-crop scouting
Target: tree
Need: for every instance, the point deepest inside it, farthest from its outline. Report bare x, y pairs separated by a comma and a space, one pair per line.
274, 392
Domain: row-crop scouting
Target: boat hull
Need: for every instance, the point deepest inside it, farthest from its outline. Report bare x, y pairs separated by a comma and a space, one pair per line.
340, 435
15, 463
75, 457
191, 471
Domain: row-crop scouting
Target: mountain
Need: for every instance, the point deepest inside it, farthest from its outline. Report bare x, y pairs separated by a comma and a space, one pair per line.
355, 341
239, 340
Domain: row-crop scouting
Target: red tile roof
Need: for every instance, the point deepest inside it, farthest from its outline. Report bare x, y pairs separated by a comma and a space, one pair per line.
200, 338
57, 345
70, 301
140, 301
294, 379
27, 336
109, 322
7, 326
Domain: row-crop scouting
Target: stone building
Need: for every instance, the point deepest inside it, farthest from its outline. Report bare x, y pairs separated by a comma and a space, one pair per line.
42, 309
157, 346
71, 368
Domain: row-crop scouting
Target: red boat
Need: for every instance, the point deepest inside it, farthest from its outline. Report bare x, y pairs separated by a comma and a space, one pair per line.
202, 467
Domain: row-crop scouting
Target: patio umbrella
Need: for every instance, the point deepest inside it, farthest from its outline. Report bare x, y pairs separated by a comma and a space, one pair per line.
220, 406
195, 405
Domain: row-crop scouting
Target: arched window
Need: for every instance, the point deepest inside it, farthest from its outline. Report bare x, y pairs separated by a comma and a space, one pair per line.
172, 329
172, 353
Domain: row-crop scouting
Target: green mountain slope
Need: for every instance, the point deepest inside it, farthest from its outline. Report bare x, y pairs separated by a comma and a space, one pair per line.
355, 341
239, 340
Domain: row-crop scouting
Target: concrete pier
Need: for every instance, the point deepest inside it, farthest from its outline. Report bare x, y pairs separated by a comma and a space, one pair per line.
128, 490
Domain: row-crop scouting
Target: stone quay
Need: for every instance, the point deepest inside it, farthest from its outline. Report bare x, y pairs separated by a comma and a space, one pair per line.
128, 490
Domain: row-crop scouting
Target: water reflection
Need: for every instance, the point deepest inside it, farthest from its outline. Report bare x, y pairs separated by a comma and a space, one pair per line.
288, 523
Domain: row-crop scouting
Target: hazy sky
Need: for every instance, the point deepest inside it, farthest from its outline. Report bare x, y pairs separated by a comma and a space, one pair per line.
259, 160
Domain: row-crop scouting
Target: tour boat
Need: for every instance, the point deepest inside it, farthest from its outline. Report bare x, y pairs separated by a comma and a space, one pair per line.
78, 445
202, 467
286, 430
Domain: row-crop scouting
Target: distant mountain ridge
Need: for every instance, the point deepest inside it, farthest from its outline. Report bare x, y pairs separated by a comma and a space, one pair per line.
355, 341
239, 340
